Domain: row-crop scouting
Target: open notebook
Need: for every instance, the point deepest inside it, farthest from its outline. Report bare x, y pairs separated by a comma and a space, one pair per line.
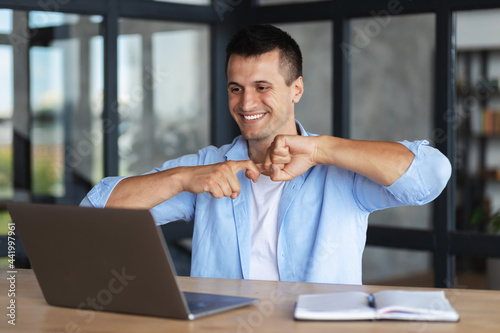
387, 304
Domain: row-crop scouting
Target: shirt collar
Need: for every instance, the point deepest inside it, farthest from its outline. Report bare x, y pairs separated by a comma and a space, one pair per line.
301, 129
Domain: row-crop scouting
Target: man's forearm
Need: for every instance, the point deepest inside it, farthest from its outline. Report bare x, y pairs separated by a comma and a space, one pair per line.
146, 191
382, 162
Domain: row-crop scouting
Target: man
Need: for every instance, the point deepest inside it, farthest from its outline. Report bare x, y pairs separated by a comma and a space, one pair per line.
279, 203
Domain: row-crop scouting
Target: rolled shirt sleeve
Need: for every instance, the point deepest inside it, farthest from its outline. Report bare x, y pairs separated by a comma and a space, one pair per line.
426, 177
99, 195
424, 180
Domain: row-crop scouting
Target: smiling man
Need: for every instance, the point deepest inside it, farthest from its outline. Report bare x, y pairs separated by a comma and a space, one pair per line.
279, 203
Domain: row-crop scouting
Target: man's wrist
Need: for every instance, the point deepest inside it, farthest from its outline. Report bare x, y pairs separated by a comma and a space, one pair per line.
174, 180
324, 150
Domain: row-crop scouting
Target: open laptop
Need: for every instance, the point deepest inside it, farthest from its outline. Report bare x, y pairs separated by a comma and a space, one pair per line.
108, 260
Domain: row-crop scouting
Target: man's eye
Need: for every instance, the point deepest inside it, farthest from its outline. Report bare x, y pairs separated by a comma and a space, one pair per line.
262, 88
235, 90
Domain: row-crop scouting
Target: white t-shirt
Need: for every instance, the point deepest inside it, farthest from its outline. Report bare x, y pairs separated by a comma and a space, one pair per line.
266, 196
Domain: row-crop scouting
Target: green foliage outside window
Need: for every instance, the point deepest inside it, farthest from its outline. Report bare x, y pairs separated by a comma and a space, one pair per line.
4, 221
46, 181
5, 173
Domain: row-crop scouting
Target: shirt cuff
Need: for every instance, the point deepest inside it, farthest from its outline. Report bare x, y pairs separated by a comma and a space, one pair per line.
99, 195
410, 188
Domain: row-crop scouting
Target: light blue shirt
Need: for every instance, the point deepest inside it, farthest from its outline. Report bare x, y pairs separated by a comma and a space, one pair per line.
322, 218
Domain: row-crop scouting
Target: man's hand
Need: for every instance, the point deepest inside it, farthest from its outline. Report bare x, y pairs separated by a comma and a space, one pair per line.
289, 156
218, 179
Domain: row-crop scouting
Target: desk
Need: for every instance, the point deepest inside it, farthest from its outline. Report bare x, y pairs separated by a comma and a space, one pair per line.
479, 311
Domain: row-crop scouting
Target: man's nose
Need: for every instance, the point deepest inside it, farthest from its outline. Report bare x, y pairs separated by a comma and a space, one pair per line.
248, 101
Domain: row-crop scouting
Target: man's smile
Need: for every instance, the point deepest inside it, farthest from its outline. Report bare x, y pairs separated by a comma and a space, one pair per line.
254, 116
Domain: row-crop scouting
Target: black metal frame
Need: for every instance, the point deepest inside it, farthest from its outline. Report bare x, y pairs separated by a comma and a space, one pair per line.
443, 241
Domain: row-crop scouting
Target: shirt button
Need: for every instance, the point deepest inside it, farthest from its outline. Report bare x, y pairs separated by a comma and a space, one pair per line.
282, 255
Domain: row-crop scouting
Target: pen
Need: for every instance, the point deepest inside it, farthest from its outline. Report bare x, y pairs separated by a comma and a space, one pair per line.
371, 300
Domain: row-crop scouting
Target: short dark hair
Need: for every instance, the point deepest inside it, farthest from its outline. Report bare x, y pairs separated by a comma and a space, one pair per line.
255, 40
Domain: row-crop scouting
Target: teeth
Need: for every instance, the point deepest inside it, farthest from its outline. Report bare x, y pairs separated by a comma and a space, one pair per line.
257, 116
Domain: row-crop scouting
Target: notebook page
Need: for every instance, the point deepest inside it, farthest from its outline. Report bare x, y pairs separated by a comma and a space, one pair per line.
351, 305
414, 305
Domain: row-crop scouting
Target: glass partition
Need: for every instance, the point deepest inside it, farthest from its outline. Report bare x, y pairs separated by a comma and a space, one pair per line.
65, 74
478, 120
392, 91
6, 109
314, 109
478, 135
5, 21
392, 78
163, 92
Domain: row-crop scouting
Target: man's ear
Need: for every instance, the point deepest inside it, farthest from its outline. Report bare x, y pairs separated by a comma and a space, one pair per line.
298, 89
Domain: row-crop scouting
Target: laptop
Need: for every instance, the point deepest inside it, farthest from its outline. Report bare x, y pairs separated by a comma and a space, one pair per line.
108, 260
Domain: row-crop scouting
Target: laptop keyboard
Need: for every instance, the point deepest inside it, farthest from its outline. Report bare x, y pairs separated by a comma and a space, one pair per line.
198, 305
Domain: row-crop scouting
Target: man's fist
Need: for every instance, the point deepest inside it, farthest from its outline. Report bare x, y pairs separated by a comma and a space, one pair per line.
289, 156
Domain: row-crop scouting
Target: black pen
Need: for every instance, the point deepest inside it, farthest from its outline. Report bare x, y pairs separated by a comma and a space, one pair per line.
371, 301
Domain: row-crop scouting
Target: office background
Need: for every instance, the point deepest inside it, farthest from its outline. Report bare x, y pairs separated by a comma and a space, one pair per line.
99, 88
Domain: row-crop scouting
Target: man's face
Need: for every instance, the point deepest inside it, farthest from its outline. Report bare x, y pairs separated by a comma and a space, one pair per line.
259, 99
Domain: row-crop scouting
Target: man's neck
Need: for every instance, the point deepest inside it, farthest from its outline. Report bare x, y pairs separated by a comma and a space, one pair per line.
257, 149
